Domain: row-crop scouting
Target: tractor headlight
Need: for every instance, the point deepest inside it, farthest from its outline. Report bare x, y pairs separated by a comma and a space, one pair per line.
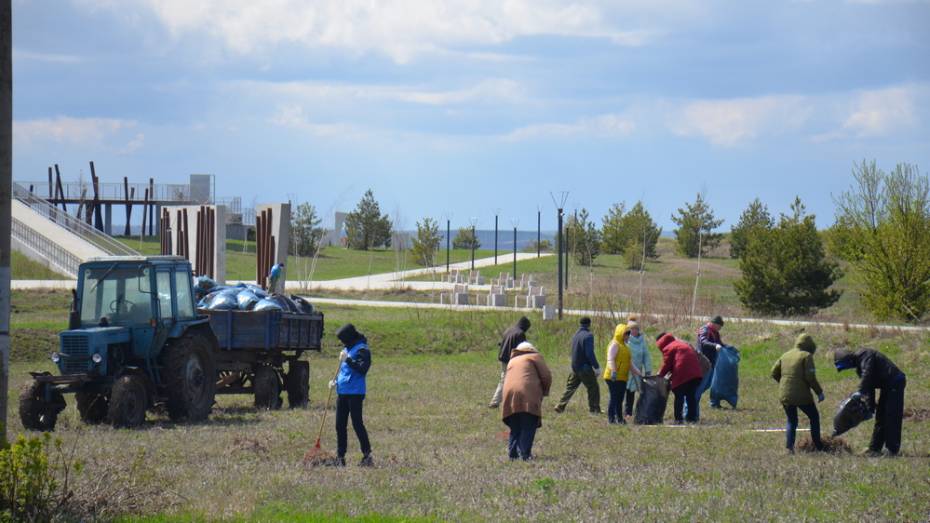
56, 357
96, 358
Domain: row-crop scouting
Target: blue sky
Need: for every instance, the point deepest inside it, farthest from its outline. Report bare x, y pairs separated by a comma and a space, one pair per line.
455, 108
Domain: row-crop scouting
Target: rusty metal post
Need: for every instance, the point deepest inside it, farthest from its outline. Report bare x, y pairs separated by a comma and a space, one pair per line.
50, 183
127, 231
145, 206
151, 206
59, 189
98, 216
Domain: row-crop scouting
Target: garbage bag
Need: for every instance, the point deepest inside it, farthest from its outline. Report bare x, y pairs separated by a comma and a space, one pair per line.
267, 304
246, 299
303, 306
225, 300
203, 286
725, 384
653, 398
852, 411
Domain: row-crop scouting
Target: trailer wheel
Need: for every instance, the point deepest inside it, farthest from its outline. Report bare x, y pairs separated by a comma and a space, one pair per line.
128, 402
190, 377
92, 406
267, 388
35, 412
298, 384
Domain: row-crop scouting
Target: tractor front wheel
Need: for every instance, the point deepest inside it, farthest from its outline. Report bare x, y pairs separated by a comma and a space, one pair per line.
35, 412
92, 406
298, 384
190, 376
267, 388
129, 400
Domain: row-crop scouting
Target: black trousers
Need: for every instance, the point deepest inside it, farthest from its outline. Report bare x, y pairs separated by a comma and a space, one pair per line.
630, 401
791, 411
888, 418
687, 392
350, 405
523, 427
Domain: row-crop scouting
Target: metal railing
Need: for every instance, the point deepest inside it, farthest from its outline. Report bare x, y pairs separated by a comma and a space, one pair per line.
72, 224
163, 192
57, 256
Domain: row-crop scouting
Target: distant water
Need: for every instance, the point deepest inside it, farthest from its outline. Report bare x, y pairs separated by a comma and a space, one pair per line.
525, 239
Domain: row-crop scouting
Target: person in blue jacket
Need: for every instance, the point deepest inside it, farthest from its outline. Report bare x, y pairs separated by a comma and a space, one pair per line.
354, 362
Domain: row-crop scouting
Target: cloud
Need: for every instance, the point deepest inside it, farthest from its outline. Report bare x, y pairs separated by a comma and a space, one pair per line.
400, 29
602, 126
66, 129
294, 117
880, 112
733, 121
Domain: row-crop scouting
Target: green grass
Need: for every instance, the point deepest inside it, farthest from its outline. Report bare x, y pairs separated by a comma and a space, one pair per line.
23, 268
439, 453
333, 263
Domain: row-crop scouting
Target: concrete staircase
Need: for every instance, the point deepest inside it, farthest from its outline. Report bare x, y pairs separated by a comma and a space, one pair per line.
56, 239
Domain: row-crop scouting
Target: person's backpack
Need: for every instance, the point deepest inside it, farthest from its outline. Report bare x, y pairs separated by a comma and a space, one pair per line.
653, 398
851, 412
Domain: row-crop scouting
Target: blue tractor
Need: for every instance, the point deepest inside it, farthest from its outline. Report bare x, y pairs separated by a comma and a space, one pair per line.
134, 341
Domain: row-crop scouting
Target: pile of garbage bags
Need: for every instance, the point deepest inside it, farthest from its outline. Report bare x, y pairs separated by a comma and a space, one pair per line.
653, 398
245, 297
852, 411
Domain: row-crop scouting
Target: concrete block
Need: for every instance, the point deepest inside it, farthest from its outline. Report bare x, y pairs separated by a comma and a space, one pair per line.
548, 313
460, 298
497, 300
537, 302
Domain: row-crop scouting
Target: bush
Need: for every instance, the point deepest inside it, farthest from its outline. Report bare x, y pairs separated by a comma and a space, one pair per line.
426, 243
621, 229
29, 490
466, 238
633, 256
696, 224
756, 215
785, 270
542, 246
582, 238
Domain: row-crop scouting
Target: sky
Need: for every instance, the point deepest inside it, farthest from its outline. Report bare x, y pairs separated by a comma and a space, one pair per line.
458, 110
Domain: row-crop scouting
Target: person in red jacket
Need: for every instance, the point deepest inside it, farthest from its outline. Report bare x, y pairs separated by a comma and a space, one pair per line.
681, 361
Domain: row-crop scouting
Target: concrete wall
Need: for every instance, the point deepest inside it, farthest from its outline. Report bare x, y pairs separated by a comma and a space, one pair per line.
77, 246
219, 260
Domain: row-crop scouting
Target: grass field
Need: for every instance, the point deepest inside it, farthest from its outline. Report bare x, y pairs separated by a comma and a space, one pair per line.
22, 268
439, 450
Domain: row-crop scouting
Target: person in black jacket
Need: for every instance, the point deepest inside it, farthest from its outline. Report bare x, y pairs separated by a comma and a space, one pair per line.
876, 371
584, 369
513, 336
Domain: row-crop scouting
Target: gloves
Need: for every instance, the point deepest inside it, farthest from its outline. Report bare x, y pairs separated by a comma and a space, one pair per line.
332, 383
820, 397
343, 355
719, 346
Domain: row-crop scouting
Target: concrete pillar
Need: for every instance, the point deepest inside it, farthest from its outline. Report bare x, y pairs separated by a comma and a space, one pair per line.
108, 219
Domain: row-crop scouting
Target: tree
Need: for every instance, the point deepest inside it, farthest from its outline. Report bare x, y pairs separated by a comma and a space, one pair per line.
466, 239
756, 215
620, 230
785, 269
582, 238
366, 227
426, 243
883, 230
305, 230
696, 224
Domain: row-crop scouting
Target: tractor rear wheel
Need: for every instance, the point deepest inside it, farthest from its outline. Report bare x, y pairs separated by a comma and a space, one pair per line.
35, 412
92, 406
298, 384
129, 400
267, 388
190, 377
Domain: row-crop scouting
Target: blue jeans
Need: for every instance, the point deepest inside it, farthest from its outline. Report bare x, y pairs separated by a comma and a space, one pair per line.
617, 391
703, 387
792, 412
523, 427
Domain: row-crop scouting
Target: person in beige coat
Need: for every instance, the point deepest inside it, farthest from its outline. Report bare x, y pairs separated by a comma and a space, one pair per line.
527, 382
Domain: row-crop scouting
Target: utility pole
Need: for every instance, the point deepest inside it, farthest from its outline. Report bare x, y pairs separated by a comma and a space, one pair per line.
559, 248
6, 189
560, 244
538, 232
448, 236
514, 253
474, 240
495, 238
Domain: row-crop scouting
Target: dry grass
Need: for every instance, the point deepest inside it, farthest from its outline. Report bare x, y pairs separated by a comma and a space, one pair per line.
831, 445
439, 454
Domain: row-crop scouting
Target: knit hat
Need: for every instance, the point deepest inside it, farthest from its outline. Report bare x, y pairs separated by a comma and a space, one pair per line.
348, 335
843, 359
805, 342
585, 321
717, 320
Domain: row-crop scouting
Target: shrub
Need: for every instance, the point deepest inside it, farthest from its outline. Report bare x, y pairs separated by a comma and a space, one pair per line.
466, 238
696, 224
621, 229
426, 243
583, 239
29, 490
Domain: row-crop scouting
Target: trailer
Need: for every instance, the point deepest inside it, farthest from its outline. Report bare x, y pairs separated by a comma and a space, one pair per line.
254, 347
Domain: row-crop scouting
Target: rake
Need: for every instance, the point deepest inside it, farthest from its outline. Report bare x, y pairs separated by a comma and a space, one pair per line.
316, 456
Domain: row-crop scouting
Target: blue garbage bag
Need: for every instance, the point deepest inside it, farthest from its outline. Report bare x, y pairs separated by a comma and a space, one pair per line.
246, 299
224, 300
267, 304
203, 286
725, 383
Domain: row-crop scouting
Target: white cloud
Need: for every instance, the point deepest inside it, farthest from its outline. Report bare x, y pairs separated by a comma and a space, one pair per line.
733, 121
65, 129
880, 112
400, 29
603, 126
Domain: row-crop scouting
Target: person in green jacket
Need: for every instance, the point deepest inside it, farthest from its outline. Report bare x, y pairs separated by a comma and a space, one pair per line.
796, 377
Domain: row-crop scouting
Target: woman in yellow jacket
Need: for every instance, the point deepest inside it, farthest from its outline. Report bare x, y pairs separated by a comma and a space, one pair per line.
619, 366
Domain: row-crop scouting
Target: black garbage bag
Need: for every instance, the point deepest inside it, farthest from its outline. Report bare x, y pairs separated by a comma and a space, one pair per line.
303, 306
653, 398
852, 411
203, 285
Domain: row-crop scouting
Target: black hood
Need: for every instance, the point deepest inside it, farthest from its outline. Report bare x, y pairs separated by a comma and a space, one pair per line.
348, 335
524, 323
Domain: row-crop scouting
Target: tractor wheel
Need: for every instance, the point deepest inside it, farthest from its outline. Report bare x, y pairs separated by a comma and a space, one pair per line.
267, 388
92, 406
190, 377
128, 402
298, 384
35, 412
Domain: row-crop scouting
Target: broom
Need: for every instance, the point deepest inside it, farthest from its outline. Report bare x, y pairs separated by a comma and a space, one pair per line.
316, 456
